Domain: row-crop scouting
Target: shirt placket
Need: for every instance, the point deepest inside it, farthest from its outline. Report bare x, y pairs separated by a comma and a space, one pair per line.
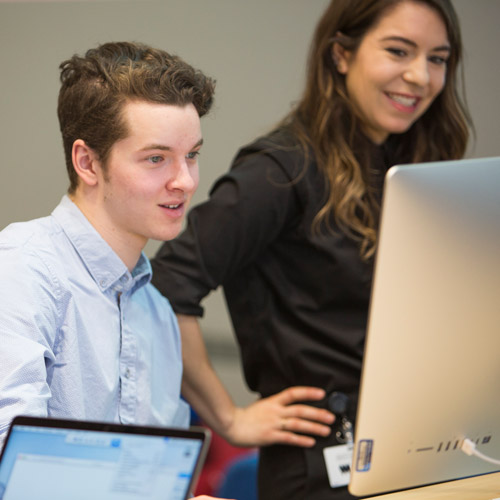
128, 356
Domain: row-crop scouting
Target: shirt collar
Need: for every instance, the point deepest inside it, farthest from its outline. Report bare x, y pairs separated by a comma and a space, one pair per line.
103, 264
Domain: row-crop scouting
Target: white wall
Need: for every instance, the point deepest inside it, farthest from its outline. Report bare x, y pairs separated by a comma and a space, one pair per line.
255, 50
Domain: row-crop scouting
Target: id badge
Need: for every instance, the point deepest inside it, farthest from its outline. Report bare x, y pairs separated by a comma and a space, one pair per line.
338, 461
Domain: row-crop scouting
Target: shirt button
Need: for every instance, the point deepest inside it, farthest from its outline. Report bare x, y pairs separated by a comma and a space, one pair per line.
103, 283
128, 373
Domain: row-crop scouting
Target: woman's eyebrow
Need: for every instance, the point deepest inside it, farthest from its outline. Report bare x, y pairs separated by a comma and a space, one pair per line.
402, 39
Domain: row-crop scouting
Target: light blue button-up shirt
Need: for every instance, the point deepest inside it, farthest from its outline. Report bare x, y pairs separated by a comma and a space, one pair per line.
80, 336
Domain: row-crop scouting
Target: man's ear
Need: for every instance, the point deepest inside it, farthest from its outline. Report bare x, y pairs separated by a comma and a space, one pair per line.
341, 57
85, 162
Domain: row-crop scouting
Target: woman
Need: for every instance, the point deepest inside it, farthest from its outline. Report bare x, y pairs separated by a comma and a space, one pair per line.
291, 231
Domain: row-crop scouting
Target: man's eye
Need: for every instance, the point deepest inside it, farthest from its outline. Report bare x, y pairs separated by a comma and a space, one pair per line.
193, 155
155, 159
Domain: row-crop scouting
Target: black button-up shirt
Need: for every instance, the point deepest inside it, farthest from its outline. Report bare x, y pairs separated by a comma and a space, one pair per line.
298, 300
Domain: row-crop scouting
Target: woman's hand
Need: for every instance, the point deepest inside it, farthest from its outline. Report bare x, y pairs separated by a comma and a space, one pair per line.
281, 419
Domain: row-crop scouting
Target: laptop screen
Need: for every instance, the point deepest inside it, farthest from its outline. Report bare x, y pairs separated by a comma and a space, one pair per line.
46, 460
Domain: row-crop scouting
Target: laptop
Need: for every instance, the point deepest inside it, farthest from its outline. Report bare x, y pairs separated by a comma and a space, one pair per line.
51, 459
431, 369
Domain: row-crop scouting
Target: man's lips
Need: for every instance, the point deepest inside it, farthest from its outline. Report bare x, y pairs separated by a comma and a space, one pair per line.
175, 210
172, 206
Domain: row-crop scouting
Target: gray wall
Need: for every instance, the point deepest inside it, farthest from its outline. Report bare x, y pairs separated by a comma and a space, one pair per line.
256, 49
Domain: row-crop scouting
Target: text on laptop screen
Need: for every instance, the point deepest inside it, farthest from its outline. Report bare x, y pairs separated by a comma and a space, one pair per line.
81, 464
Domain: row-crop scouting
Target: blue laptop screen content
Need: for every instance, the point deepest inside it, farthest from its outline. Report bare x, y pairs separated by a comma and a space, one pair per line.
58, 464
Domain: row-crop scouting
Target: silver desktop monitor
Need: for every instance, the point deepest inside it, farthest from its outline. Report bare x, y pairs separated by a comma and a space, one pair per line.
431, 370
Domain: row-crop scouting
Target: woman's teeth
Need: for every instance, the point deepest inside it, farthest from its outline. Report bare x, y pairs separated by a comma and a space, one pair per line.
404, 100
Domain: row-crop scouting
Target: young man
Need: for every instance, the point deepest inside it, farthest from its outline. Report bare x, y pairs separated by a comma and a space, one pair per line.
84, 334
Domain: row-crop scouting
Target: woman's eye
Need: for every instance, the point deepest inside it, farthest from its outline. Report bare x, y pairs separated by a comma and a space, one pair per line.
396, 52
440, 61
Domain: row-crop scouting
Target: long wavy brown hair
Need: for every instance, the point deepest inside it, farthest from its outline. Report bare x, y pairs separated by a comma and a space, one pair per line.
324, 122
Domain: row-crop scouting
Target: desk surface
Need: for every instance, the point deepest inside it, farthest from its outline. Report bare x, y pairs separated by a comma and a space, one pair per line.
486, 487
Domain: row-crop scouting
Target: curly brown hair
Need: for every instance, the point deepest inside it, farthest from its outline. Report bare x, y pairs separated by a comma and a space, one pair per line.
94, 89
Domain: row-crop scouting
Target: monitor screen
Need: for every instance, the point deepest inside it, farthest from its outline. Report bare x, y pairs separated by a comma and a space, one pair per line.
431, 371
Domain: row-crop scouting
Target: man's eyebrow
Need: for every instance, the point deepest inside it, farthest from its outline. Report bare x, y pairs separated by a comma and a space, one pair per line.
198, 144
163, 147
402, 39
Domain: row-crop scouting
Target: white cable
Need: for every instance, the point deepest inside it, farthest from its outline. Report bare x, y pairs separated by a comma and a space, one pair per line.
469, 448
